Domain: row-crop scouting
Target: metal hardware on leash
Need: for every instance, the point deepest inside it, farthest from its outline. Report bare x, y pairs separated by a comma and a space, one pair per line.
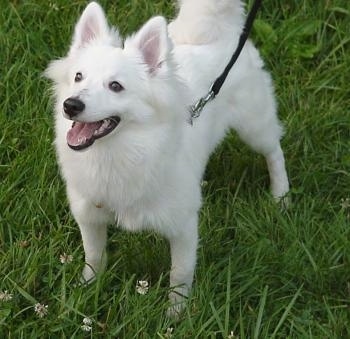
197, 108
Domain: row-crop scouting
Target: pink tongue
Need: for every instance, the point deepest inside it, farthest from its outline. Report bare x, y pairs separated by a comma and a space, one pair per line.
81, 132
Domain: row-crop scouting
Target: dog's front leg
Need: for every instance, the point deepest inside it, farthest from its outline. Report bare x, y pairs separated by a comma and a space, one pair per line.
183, 248
92, 220
94, 241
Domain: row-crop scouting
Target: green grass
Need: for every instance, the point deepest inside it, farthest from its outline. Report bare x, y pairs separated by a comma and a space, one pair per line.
262, 272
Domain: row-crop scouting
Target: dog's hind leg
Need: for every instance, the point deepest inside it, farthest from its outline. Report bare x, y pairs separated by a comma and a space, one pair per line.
257, 124
278, 174
92, 221
266, 141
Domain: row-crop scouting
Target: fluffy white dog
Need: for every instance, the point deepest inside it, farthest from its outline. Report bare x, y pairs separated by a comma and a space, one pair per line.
125, 146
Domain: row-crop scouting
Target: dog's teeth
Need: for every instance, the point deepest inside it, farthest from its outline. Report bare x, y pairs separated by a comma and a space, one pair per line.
103, 127
81, 140
105, 123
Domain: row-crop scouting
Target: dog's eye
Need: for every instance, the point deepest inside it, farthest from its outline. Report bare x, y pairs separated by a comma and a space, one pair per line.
115, 86
78, 77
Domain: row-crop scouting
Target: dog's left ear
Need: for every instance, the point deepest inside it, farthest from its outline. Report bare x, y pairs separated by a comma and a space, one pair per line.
91, 25
153, 43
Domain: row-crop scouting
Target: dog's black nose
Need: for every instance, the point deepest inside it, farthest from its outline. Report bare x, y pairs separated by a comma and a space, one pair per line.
73, 106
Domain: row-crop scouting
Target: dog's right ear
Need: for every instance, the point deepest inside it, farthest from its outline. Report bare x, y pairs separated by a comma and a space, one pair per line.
92, 25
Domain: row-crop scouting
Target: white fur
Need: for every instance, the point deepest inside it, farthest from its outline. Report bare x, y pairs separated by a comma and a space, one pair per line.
147, 173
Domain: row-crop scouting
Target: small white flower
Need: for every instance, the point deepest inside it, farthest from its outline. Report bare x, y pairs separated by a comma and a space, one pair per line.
169, 333
5, 296
142, 287
87, 321
66, 258
41, 310
86, 328
87, 324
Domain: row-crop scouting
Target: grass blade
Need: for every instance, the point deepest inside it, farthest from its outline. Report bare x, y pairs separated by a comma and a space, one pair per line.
286, 312
261, 312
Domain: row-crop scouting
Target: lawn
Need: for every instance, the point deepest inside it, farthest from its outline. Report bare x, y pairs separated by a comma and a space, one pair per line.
262, 272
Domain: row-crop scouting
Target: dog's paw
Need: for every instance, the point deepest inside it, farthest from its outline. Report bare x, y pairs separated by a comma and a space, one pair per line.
92, 269
88, 275
178, 300
174, 311
284, 201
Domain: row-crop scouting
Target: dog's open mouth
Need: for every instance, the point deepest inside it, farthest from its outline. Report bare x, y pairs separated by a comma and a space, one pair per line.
83, 134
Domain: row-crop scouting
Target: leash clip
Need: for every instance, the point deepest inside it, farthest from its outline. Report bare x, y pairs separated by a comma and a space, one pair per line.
197, 108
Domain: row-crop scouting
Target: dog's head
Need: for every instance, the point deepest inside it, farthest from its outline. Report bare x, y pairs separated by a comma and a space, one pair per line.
103, 87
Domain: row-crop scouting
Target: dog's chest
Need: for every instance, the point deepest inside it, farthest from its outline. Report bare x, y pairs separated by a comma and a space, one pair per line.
132, 200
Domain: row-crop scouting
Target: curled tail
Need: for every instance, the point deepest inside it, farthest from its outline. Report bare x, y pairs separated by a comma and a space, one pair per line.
205, 21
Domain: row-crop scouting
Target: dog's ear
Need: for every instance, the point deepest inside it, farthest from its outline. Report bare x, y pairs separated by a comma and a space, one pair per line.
153, 42
91, 25
56, 71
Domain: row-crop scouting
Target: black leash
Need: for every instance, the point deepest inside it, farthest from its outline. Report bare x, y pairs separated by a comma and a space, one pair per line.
214, 90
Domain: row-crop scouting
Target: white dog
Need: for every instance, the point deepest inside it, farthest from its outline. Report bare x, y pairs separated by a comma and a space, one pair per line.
125, 146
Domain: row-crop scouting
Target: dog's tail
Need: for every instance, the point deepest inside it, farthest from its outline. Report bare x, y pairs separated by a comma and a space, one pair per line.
205, 21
